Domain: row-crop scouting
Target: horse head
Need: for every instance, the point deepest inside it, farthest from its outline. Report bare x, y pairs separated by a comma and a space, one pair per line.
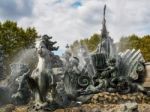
41, 48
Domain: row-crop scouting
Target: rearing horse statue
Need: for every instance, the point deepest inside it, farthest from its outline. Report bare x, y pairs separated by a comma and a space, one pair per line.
41, 79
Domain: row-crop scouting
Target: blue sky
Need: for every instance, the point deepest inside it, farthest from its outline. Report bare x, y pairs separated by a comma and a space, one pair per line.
76, 4
69, 20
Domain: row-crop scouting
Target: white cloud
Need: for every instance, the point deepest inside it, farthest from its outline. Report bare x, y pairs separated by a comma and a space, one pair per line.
128, 17
66, 23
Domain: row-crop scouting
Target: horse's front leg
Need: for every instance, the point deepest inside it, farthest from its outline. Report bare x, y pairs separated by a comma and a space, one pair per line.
53, 92
37, 96
43, 85
36, 85
33, 84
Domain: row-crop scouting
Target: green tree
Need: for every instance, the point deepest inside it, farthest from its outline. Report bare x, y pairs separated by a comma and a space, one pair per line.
91, 43
145, 47
128, 42
136, 42
13, 38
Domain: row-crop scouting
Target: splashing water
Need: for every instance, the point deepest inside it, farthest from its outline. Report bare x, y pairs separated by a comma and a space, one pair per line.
86, 60
26, 56
21, 62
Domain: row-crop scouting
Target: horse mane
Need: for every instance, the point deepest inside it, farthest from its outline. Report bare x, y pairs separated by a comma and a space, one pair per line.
45, 39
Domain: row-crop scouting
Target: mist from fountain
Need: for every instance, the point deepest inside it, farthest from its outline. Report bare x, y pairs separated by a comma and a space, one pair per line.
86, 60
25, 56
19, 65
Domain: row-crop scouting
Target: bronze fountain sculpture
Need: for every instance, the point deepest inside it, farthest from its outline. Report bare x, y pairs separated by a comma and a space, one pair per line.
103, 70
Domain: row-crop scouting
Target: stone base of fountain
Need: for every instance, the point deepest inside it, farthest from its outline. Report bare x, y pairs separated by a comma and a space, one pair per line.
101, 102
115, 98
147, 79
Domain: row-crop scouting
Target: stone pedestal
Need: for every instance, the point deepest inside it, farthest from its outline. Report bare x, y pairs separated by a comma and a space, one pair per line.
147, 79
